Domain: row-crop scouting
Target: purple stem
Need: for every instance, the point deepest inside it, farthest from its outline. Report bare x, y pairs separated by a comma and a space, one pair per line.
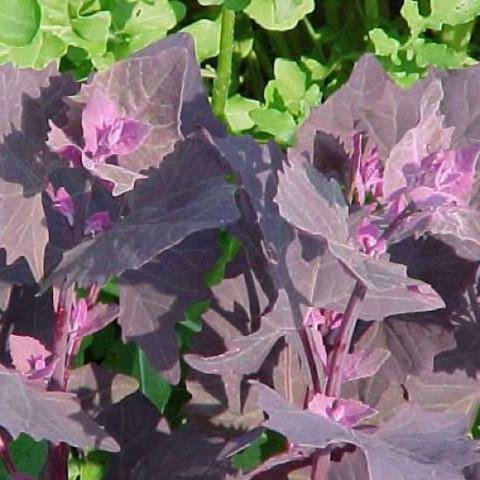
5, 440
321, 462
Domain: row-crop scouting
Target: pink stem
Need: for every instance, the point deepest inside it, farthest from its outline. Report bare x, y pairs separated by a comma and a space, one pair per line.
321, 463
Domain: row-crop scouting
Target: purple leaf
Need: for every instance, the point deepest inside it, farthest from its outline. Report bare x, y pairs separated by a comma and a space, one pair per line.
365, 363
413, 444
29, 356
63, 203
97, 388
147, 232
153, 298
53, 416
312, 202
29, 100
123, 180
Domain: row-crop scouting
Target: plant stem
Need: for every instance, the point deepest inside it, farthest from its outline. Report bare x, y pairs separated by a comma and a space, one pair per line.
340, 351
57, 463
255, 75
224, 68
5, 440
342, 345
263, 56
372, 13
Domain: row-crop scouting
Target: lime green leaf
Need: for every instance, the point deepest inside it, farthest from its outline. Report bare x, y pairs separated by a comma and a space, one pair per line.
19, 21
290, 83
279, 124
317, 70
452, 12
279, 14
385, 46
440, 55
411, 13
95, 466
206, 34
237, 112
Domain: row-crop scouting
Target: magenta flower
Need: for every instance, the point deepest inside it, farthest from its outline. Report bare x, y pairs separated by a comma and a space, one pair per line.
97, 223
105, 133
63, 203
343, 411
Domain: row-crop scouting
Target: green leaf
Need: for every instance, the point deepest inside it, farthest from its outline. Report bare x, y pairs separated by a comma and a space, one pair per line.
279, 14
131, 360
279, 124
206, 34
291, 83
317, 71
411, 13
29, 455
95, 465
452, 12
237, 112
19, 21
385, 46
440, 55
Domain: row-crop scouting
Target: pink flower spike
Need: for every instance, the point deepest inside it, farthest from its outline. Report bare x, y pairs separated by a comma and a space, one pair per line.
63, 203
343, 411
97, 223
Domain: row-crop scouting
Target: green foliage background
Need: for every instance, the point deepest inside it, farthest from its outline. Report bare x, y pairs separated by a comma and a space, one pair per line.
266, 63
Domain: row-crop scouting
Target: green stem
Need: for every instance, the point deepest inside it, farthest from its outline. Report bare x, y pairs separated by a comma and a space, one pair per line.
279, 44
372, 13
224, 68
255, 76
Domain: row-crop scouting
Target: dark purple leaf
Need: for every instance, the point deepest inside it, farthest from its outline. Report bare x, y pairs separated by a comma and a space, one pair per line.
154, 298
414, 444
97, 388
147, 232
29, 99
54, 416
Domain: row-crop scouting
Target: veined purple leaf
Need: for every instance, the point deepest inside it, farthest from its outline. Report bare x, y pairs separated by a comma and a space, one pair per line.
54, 416
334, 283
153, 298
147, 88
414, 444
137, 425
97, 388
443, 392
122, 178
312, 202
364, 364
29, 100
147, 232
246, 353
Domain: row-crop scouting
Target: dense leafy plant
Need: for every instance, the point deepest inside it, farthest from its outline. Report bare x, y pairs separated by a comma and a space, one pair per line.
180, 302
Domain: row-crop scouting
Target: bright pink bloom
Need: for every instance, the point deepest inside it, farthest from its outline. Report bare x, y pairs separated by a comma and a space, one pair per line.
63, 203
97, 223
346, 412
